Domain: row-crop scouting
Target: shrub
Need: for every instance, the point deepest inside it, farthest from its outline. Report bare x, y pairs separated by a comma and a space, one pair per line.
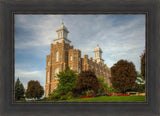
89, 92
55, 96
69, 95
111, 89
64, 97
100, 91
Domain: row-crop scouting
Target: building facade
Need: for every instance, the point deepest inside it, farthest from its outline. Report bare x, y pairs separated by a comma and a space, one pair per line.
63, 55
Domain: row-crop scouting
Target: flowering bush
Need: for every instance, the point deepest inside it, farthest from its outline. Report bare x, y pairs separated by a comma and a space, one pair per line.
118, 94
88, 96
110, 94
106, 94
123, 94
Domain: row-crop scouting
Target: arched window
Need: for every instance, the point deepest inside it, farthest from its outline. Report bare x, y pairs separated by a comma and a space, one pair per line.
97, 54
56, 72
61, 34
57, 56
71, 58
58, 35
79, 70
48, 77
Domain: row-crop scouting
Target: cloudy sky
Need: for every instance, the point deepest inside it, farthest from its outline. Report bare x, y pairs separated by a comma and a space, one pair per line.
119, 36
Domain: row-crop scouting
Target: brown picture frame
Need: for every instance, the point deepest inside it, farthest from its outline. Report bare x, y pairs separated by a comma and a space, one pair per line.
148, 7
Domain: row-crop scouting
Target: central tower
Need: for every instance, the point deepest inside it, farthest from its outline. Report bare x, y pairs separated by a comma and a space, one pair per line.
57, 60
62, 33
98, 54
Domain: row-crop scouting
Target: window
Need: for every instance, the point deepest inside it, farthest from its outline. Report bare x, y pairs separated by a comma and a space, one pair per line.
48, 77
57, 56
65, 35
71, 58
58, 35
61, 34
79, 59
48, 62
79, 70
71, 68
56, 72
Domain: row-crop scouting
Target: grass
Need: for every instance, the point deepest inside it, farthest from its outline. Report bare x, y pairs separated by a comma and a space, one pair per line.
112, 98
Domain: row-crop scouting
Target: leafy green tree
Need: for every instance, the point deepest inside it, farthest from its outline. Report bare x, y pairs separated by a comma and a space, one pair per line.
87, 80
19, 90
123, 75
67, 82
143, 65
34, 90
103, 86
140, 79
101, 80
140, 84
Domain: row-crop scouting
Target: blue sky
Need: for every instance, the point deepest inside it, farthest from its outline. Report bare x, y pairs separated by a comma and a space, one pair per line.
119, 37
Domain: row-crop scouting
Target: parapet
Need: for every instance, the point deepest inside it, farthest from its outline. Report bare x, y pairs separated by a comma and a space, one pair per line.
71, 47
86, 56
75, 50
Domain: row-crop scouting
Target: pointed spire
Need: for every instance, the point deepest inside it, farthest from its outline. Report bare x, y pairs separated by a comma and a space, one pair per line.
97, 45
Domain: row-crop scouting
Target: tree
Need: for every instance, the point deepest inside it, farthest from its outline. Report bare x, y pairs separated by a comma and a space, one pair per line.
34, 90
143, 65
67, 80
140, 84
123, 75
101, 80
103, 85
19, 90
87, 80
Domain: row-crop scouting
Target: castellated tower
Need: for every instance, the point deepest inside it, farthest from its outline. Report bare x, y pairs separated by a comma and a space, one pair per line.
98, 54
63, 55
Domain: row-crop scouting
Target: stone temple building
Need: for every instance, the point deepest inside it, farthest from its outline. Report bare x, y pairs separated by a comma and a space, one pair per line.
63, 55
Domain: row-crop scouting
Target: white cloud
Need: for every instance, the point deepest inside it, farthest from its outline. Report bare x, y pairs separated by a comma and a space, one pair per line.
43, 29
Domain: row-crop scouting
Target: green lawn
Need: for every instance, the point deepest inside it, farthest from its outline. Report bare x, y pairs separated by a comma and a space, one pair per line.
112, 98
